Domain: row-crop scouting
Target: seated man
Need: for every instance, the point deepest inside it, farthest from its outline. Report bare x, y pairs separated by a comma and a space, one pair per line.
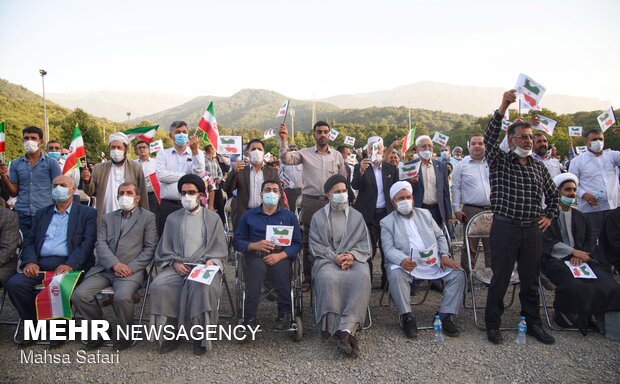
126, 242
9, 241
569, 238
192, 235
406, 234
62, 240
340, 249
262, 257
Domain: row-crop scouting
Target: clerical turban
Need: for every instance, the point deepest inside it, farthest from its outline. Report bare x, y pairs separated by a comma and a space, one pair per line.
564, 177
192, 179
119, 136
399, 186
333, 180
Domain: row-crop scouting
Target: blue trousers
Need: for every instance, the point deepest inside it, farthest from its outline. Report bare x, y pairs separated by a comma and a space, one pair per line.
280, 276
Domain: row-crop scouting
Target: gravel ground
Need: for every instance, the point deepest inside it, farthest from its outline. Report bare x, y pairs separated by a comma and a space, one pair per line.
386, 356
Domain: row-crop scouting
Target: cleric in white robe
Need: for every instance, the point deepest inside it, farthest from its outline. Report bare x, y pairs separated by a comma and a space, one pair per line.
192, 235
339, 251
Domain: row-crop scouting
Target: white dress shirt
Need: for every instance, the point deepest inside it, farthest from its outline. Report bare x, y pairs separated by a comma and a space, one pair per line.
256, 181
172, 165
379, 178
470, 183
597, 175
552, 164
429, 180
115, 179
148, 167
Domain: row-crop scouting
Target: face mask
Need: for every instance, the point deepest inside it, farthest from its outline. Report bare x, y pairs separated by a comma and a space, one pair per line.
340, 198
256, 156
404, 207
117, 155
378, 158
522, 152
31, 146
270, 199
181, 139
54, 155
445, 155
597, 146
126, 203
60, 194
64, 157
426, 155
189, 202
567, 200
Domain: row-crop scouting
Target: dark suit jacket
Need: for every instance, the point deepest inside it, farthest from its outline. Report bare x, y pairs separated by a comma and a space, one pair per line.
366, 186
81, 236
9, 242
443, 190
241, 182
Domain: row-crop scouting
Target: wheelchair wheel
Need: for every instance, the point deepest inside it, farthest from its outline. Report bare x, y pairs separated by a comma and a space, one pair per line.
299, 331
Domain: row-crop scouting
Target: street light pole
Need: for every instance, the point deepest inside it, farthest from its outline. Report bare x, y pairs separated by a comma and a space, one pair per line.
292, 113
43, 72
128, 115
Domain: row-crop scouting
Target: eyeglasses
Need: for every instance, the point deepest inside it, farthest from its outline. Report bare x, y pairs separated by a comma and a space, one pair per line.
523, 137
142, 147
191, 193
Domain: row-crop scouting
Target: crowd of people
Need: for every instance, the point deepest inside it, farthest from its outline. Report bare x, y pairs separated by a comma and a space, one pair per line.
111, 221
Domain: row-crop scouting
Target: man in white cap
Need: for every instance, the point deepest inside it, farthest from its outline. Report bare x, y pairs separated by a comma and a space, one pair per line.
415, 247
108, 176
372, 178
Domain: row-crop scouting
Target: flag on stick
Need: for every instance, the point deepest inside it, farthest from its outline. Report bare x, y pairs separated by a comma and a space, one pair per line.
408, 140
54, 301
208, 125
575, 131
156, 186
440, 138
269, 133
348, 140
333, 134
606, 119
145, 134
283, 109
528, 90
2, 139
545, 124
76, 151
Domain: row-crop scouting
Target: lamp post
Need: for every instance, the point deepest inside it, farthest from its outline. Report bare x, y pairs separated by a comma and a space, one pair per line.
291, 112
128, 115
43, 72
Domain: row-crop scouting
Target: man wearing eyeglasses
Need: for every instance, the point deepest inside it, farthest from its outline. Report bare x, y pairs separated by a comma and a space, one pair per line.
518, 184
320, 163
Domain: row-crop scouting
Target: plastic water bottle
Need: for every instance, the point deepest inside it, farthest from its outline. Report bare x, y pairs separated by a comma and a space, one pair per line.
438, 326
521, 329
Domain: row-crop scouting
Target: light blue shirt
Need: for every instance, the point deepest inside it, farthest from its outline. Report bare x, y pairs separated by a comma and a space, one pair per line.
55, 242
34, 183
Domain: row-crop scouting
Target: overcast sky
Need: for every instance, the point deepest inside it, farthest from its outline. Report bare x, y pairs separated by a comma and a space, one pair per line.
299, 48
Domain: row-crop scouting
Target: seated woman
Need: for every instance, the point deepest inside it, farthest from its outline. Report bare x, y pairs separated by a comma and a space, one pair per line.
339, 251
568, 239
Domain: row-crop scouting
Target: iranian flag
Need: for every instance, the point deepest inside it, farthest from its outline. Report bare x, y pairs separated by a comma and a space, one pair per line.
506, 121
76, 151
2, 146
606, 119
54, 301
283, 109
208, 125
156, 186
408, 139
143, 133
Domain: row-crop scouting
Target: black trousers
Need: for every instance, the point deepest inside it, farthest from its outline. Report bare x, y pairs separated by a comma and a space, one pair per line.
374, 230
165, 208
280, 276
512, 243
154, 207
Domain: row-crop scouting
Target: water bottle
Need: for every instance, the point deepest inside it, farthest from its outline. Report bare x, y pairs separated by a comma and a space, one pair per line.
521, 329
438, 333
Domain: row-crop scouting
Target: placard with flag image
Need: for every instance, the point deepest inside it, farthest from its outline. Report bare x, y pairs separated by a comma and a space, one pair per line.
203, 274
582, 271
409, 170
333, 134
505, 121
269, 133
280, 235
440, 138
349, 140
428, 263
606, 119
54, 301
545, 124
575, 131
229, 145
581, 149
156, 146
528, 90
283, 109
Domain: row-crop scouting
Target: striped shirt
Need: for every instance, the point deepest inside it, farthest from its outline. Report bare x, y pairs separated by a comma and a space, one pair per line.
517, 189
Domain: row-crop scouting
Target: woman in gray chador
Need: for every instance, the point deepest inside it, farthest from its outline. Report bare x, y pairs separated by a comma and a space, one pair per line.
192, 235
340, 249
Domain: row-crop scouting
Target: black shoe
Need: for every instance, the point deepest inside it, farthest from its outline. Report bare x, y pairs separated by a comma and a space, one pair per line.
167, 346
540, 334
198, 349
449, 328
249, 321
409, 325
283, 322
355, 346
494, 336
343, 341
122, 344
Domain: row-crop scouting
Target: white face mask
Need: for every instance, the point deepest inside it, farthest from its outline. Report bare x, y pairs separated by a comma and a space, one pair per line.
31, 146
404, 207
522, 152
256, 156
426, 155
340, 201
597, 146
126, 203
189, 202
117, 155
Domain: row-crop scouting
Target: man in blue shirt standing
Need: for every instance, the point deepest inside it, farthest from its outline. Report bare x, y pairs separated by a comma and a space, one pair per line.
30, 178
262, 257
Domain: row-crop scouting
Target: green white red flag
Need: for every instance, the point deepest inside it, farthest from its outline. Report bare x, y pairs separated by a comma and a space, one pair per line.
54, 301
606, 119
145, 134
409, 170
76, 151
506, 121
333, 134
283, 109
575, 131
440, 138
156, 186
530, 91
208, 125
2, 137
349, 140
269, 133
408, 140
545, 124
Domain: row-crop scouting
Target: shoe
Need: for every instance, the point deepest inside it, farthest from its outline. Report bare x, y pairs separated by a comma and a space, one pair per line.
343, 341
198, 349
355, 346
283, 322
409, 325
167, 346
494, 336
249, 321
540, 334
449, 328
122, 344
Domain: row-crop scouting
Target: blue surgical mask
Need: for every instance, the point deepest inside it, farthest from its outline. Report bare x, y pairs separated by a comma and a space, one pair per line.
567, 200
64, 157
270, 199
445, 155
181, 139
60, 194
54, 155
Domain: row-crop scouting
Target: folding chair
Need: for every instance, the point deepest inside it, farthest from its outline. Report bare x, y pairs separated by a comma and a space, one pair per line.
545, 307
228, 229
479, 226
298, 207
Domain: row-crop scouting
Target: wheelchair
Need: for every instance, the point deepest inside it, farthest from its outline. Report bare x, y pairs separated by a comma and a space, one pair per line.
296, 276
